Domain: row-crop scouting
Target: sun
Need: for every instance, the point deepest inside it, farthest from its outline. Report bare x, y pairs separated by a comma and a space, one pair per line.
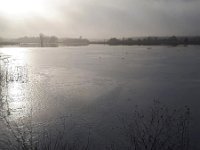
20, 7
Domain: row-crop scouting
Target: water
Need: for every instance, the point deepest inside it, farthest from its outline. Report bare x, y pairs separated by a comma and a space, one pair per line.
91, 85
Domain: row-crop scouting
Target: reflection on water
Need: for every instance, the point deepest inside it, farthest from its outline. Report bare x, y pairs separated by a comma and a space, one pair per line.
91, 85
14, 105
14, 76
18, 104
18, 55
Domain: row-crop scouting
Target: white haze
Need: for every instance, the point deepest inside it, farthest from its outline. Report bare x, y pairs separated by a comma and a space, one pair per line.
99, 18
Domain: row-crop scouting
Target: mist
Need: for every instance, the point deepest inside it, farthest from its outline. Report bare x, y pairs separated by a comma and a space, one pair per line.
102, 19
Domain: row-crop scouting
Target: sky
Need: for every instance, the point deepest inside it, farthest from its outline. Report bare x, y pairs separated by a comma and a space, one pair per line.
99, 18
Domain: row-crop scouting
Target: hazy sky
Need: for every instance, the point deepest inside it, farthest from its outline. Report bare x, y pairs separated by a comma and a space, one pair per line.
99, 18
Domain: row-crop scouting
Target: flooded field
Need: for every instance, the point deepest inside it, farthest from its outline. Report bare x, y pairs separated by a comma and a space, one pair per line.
83, 91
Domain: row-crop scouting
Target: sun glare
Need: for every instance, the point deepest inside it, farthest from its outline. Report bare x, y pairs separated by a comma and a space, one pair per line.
20, 7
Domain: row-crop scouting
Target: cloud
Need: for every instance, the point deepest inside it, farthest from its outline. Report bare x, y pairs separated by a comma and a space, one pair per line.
108, 18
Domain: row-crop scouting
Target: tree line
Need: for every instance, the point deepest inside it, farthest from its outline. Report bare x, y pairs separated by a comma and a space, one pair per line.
173, 40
